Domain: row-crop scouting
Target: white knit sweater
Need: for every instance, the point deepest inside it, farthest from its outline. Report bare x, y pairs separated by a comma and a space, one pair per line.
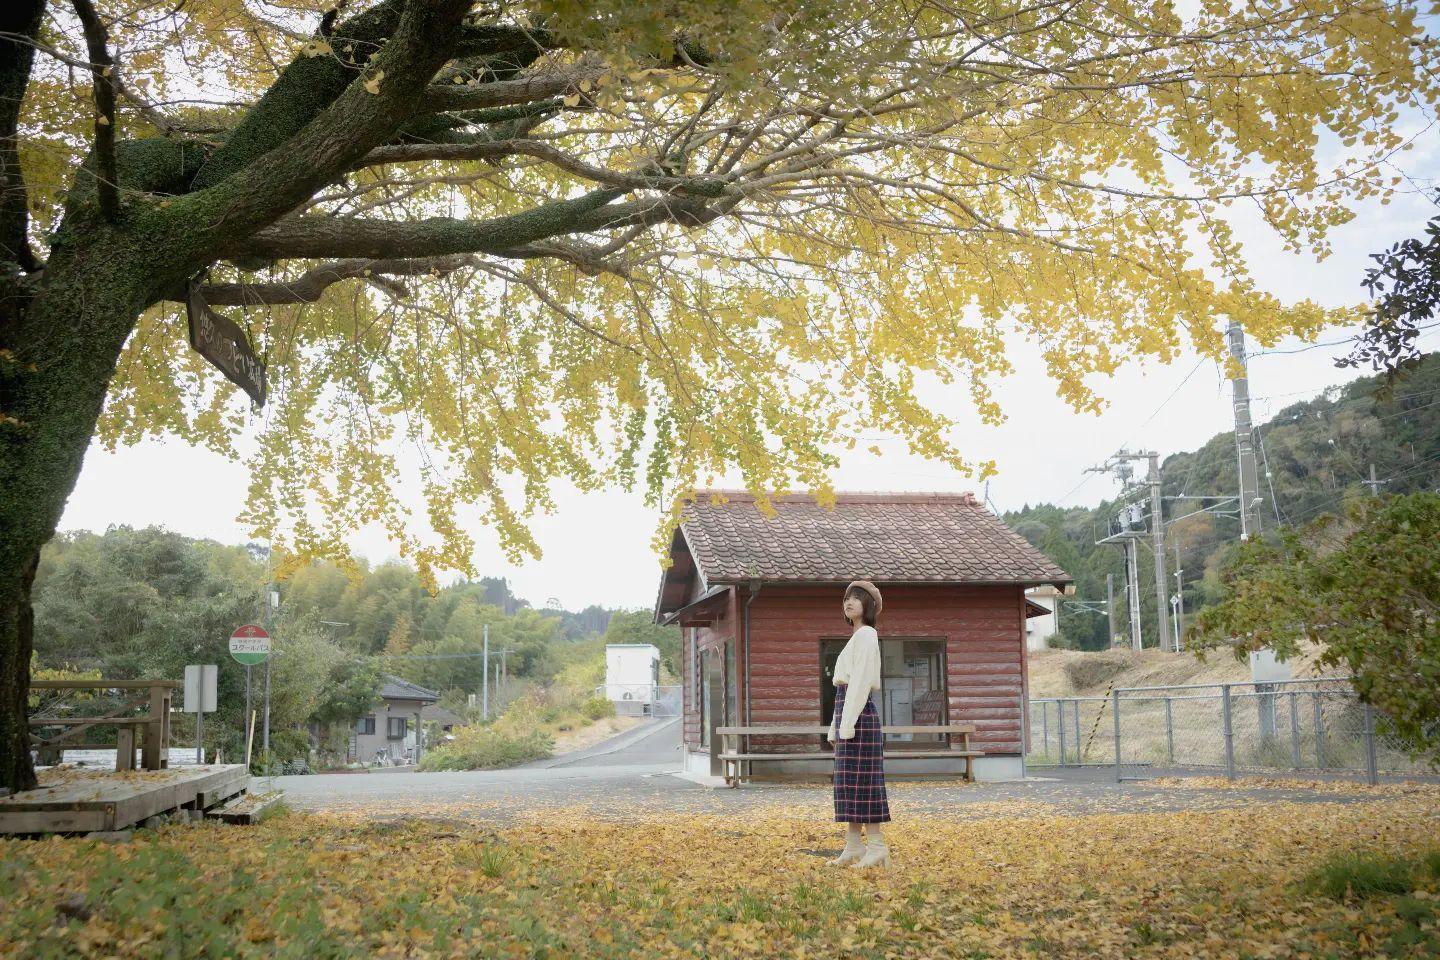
859, 667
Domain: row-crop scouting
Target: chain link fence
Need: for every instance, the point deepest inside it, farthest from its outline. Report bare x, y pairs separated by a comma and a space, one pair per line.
1311, 726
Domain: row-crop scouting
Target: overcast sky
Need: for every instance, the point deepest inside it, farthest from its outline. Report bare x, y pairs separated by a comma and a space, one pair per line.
596, 547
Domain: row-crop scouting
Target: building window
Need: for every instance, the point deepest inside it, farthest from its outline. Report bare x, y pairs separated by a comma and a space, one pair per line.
365, 725
396, 727
912, 685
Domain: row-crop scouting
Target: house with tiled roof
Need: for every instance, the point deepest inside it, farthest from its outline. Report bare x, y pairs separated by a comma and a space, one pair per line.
393, 730
758, 599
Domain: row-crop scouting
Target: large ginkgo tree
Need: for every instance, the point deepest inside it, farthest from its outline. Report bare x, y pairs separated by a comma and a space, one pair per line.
486, 246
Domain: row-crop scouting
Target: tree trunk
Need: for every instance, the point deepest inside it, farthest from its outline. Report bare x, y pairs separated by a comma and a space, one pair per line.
59, 344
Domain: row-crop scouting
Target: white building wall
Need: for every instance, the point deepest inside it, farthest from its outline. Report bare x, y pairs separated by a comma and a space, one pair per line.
631, 673
1039, 629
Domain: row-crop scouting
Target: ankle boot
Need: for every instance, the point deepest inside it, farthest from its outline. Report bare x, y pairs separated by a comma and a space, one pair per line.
854, 850
877, 854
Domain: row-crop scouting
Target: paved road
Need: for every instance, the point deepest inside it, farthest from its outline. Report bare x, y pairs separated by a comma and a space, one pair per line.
656, 743
633, 775
638, 763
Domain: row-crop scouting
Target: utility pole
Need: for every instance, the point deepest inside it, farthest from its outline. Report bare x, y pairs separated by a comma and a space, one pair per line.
1179, 599
1250, 514
270, 629
485, 681
1132, 588
1157, 536
1374, 484
1129, 535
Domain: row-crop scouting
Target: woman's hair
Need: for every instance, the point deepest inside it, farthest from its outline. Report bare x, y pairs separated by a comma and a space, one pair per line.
867, 606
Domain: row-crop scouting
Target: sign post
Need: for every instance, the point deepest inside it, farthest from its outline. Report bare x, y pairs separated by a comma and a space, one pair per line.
250, 645
200, 684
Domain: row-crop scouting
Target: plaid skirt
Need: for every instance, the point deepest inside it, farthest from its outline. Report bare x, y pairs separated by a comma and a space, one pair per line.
860, 767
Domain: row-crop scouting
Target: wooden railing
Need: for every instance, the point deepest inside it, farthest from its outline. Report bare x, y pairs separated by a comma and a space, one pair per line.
151, 727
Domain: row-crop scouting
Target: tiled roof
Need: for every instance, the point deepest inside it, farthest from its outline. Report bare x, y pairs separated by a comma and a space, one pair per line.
396, 689
892, 537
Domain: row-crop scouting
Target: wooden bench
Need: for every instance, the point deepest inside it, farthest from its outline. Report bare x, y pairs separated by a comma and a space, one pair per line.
736, 754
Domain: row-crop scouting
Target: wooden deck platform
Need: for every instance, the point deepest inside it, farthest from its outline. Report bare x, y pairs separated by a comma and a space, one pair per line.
71, 800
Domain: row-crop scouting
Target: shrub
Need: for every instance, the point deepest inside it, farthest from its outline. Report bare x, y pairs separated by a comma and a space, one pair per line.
485, 748
597, 708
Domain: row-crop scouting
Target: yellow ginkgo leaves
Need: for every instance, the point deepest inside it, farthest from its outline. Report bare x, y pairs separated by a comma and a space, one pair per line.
993, 880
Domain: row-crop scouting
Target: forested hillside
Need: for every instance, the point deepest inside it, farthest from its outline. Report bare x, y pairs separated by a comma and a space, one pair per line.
1312, 454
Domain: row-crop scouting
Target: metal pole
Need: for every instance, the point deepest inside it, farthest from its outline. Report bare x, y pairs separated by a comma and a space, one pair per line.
265, 740
1179, 599
1024, 728
1250, 513
485, 678
1060, 727
269, 628
1132, 591
1157, 534
1115, 709
1169, 734
1079, 757
200, 729
1294, 730
247, 703
1319, 733
1229, 733
1372, 772
1045, 725
1110, 606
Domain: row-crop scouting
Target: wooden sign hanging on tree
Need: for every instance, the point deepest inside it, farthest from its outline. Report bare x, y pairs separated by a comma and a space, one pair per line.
220, 340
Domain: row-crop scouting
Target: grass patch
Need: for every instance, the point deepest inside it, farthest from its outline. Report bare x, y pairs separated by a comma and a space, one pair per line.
1348, 874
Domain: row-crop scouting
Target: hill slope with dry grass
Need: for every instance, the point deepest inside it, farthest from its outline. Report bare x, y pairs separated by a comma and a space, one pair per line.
1064, 673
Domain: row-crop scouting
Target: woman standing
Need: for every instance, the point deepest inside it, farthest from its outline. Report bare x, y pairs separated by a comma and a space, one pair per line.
855, 732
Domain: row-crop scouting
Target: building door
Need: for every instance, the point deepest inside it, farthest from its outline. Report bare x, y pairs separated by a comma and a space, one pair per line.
715, 712
702, 695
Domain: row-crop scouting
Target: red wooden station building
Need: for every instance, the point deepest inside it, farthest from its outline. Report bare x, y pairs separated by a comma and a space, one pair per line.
758, 600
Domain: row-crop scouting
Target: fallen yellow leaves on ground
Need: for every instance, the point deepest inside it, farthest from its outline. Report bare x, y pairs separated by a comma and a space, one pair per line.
1337, 786
564, 883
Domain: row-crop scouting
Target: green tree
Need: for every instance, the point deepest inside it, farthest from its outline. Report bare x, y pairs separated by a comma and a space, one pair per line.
351, 692
1364, 583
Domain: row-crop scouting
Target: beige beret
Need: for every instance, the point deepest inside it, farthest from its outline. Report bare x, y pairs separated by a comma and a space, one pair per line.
869, 588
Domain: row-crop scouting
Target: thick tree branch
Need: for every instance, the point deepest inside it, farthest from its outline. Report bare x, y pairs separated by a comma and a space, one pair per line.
334, 237
304, 88
309, 84
19, 19
494, 149
312, 284
102, 67
444, 98
364, 116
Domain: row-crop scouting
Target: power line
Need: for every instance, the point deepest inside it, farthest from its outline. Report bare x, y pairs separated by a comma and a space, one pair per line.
1269, 480
1154, 413
1330, 501
1328, 343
